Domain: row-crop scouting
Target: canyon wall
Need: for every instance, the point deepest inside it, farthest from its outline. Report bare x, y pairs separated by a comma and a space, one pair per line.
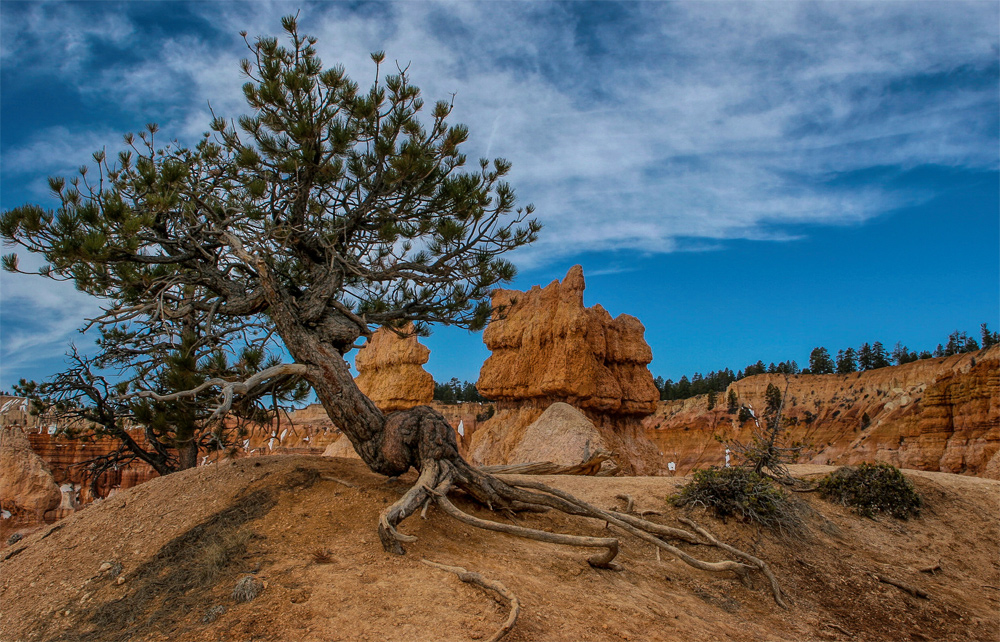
934, 414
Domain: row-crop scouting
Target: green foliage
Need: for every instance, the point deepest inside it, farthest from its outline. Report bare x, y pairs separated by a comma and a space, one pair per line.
872, 488
867, 357
847, 361
741, 493
772, 399
732, 403
711, 399
323, 212
455, 391
346, 201
989, 338
820, 361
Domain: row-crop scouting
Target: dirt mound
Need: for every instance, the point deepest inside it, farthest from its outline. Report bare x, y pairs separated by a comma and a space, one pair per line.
160, 562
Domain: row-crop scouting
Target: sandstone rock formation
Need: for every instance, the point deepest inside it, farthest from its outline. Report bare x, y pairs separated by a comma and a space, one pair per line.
562, 435
27, 488
390, 371
547, 348
342, 447
934, 414
550, 348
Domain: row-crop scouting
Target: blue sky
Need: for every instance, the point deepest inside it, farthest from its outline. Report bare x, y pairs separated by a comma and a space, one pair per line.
750, 179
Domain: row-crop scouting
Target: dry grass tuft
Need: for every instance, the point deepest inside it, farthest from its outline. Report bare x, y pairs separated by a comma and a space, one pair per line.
322, 556
247, 588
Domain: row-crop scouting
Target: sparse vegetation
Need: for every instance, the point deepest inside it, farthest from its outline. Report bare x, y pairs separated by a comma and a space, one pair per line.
248, 588
486, 414
322, 556
866, 357
766, 452
742, 493
872, 488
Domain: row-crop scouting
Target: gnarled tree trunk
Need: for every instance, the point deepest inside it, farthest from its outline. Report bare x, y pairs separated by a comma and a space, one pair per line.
421, 438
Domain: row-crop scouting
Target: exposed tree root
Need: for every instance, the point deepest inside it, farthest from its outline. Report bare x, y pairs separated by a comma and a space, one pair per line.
838, 628
338, 481
597, 561
775, 588
440, 476
490, 585
629, 502
903, 586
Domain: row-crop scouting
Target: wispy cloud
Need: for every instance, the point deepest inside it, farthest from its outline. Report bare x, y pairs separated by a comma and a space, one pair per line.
41, 317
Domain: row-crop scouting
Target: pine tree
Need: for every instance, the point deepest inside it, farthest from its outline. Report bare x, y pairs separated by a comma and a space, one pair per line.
820, 361
846, 362
732, 402
880, 358
866, 359
772, 399
711, 399
988, 338
901, 354
683, 389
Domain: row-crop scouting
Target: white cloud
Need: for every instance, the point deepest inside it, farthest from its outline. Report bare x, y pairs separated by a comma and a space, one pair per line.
58, 35
41, 316
657, 122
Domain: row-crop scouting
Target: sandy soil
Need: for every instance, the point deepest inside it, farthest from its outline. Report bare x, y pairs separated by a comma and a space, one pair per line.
184, 540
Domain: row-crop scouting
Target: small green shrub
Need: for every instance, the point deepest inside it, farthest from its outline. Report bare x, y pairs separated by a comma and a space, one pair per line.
742, 493
870, 489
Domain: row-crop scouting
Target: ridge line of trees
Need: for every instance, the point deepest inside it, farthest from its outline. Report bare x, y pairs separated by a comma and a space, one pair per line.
867, 357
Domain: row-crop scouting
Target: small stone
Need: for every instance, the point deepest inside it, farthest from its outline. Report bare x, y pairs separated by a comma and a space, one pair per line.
105, 566
120, 580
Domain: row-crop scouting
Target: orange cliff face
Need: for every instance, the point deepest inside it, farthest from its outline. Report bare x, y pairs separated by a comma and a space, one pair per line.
547, 348
934, 414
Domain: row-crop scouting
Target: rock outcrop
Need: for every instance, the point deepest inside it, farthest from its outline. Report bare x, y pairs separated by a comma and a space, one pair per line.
390, 371
548, 348
342, 447
28, 492
562, 435
934, 414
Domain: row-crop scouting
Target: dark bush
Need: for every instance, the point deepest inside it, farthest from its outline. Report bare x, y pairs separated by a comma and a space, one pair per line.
486, 414
741, 493
870, 489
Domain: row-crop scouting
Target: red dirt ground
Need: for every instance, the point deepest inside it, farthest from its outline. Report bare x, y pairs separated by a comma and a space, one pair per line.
184, 540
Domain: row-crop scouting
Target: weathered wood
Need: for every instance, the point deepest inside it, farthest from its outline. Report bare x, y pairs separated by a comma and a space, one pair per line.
903, 586
490, 585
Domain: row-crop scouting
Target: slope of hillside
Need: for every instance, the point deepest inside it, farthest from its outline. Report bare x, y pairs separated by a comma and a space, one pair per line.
934, 414
182, 542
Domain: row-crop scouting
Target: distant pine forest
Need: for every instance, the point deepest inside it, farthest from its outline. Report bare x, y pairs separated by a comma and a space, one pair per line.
866, 357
